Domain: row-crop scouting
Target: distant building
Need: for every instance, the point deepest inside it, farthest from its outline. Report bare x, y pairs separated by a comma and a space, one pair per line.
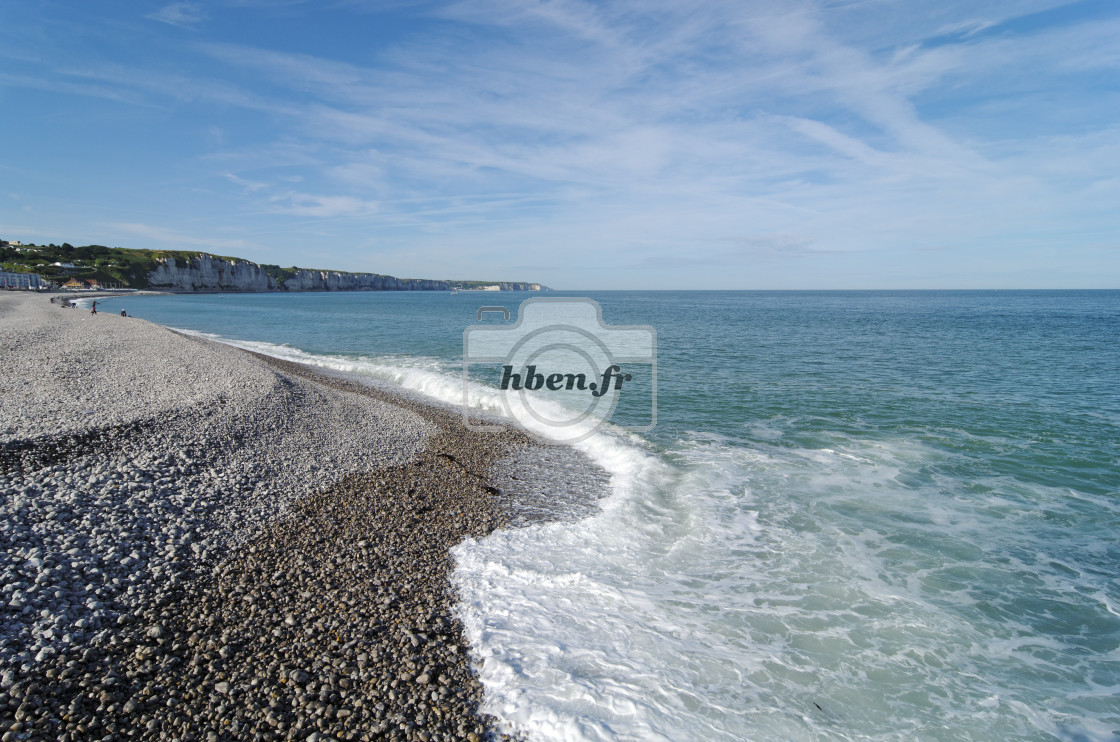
26, 281
82, 284
63, 265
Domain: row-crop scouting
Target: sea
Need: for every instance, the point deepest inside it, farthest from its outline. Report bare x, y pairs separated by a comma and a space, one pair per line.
870, 515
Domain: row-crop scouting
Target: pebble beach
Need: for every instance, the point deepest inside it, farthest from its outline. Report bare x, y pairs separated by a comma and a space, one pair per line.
200, 543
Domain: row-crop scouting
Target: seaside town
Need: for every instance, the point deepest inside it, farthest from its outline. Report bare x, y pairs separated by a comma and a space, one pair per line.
16, 255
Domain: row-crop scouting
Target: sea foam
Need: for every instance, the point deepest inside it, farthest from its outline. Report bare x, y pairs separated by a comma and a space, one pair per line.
771, 587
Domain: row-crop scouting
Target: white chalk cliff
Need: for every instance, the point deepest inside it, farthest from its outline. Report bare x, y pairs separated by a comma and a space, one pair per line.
210, 273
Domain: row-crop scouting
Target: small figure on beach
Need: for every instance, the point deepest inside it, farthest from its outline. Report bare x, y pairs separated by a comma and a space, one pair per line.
124, 313
93, 308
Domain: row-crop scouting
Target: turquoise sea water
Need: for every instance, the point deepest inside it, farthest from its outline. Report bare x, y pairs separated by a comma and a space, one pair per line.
861, 515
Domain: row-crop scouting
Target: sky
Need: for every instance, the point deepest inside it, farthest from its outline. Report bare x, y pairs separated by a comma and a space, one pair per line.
638, 144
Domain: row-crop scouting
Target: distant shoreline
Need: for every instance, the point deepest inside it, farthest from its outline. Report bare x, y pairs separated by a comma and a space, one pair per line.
95, 294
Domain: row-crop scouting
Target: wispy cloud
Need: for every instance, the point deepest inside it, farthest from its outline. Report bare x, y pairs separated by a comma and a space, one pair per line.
822, 129
183, 14
168, 89
249, 185
70, 87
964, 29
172, 237
306, 204
761, 114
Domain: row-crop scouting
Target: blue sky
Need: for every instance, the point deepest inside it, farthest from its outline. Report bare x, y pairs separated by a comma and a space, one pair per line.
649, 144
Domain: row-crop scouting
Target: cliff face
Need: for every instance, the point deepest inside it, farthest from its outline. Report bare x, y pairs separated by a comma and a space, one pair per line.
209, 273
308, 280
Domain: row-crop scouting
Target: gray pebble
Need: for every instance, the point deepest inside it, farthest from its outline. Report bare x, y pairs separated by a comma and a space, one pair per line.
275, 536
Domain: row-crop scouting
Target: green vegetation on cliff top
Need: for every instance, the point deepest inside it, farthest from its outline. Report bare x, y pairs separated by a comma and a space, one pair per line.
109, 265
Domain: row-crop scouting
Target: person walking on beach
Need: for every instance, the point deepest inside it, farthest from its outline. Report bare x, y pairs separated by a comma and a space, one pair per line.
93, 308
